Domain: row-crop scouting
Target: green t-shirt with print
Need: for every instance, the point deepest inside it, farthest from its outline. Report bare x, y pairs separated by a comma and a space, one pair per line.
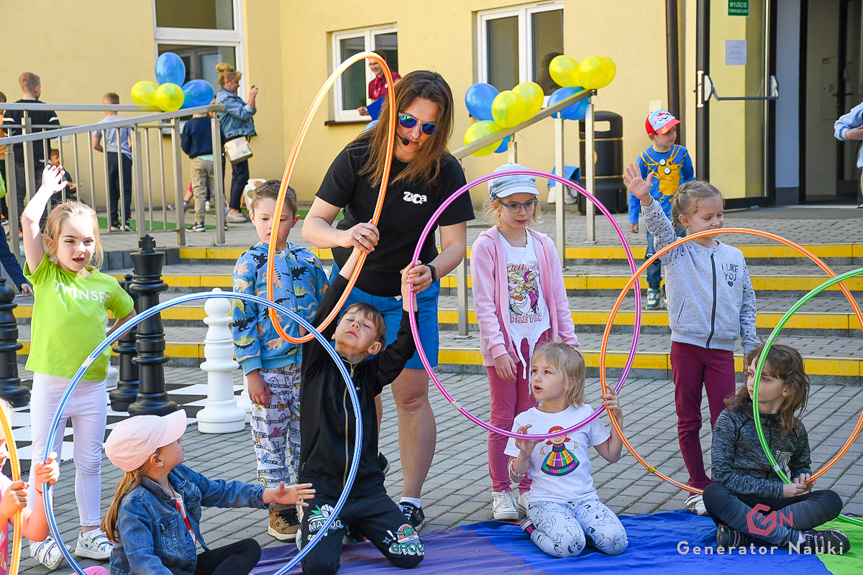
69, 315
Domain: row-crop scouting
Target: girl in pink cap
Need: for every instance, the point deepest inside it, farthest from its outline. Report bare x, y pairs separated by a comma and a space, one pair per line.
155, 517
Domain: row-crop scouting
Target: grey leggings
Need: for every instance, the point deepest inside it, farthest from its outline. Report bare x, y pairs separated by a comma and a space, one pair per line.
563, 529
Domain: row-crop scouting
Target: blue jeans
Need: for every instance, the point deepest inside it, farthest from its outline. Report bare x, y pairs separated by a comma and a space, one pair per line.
806, 511
654, 272
391, 308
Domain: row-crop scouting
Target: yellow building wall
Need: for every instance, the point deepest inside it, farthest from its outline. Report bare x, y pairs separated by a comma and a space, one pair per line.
101, 46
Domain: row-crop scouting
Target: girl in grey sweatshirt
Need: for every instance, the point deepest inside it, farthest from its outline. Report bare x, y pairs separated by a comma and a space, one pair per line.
710, 304
747, 500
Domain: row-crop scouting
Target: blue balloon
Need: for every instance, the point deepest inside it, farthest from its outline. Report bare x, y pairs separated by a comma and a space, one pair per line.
478, 99
197, 93
170, 69
370, 125
504, 144
574, 112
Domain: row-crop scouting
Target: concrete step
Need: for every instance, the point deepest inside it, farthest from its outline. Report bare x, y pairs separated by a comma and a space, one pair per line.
829, 360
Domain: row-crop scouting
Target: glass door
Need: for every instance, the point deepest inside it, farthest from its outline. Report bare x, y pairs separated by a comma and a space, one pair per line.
734, 97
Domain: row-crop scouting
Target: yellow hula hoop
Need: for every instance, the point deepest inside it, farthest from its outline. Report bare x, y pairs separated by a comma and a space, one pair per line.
15, 464
289, 168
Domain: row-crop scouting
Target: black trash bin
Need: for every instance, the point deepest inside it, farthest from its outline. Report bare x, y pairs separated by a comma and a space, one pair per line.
608, 184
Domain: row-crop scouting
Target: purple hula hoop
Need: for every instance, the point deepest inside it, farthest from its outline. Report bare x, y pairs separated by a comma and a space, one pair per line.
412, 306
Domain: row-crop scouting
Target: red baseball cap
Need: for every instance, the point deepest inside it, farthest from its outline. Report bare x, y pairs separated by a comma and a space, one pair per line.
660, 122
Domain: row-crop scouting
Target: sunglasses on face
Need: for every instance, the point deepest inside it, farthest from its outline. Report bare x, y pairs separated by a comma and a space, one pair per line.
515, 207
408, 122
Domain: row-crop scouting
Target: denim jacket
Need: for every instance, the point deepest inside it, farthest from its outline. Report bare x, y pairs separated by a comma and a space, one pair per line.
237, 118
153, 537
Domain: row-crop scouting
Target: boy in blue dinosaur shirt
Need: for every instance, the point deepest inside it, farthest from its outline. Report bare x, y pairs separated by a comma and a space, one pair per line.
271, 364
670, 165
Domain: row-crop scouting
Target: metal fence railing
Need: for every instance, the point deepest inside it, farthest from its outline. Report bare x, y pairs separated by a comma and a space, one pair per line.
150, 192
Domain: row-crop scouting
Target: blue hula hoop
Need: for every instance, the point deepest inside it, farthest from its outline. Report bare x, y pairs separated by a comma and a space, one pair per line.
67, 394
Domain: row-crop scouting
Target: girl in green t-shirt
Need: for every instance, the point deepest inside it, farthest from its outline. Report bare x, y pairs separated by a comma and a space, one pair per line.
72, 300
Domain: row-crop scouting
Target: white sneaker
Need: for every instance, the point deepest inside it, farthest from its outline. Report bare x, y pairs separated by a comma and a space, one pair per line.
695, 502
47, 553
523, 502
502, 507
94, 545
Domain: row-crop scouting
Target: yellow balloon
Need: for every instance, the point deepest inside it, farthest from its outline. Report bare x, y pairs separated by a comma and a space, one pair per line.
593, 73
509, 109
478, 131
169, 97
144, 93
531, 93
564, 71
612, 69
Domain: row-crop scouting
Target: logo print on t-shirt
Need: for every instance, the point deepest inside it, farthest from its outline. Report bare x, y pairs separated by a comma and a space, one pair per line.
412, 198
560, 461
523, 286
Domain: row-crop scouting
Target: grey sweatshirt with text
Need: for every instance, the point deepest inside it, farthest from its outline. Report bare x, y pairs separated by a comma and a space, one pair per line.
710, 297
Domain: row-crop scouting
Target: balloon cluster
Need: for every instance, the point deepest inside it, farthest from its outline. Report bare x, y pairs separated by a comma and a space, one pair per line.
168, 95
497, 111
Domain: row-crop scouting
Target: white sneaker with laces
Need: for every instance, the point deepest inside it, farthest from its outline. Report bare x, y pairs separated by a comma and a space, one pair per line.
523, 502
502, 506
47, 553
695, 502
94, 545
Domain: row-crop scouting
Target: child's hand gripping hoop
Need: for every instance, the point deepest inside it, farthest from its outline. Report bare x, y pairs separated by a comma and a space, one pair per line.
756, 415
286, 178
15, 465
412, 303
644, 266
125, 328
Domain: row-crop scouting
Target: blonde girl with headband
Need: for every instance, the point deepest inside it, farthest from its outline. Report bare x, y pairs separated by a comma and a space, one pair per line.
711, 303
565, 512
521, 302
72, 301
155, 518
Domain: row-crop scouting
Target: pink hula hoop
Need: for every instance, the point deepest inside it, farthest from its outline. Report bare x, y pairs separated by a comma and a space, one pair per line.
412, 305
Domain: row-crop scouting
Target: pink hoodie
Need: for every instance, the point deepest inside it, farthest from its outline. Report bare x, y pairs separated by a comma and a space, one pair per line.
491, 294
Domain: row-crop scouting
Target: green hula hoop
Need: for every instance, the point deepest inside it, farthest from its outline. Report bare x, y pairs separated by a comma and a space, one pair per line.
762, 359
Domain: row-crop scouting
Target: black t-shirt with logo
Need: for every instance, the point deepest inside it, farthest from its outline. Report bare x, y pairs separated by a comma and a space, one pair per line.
37, 118
407, 209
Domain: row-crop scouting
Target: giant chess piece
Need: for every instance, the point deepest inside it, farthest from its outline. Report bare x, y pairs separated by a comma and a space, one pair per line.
150, 341
221, 414
10, 384
127, 386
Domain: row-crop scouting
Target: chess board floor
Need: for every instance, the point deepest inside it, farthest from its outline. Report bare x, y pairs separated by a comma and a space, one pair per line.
190, 395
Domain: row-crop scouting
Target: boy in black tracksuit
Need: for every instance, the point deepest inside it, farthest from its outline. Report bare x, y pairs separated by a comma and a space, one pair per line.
327, 431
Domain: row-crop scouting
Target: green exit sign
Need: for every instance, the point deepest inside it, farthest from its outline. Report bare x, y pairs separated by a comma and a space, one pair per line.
738, 7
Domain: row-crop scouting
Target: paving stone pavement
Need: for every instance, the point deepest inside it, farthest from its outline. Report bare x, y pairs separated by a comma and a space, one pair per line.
457, 490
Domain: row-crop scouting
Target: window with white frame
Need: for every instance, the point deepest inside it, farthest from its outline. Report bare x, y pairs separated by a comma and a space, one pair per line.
202, 33
516, 44
351, 89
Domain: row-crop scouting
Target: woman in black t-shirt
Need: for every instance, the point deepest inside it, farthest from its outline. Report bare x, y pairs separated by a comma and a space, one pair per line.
423, 174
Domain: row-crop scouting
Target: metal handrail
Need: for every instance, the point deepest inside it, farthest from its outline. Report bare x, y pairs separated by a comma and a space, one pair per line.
149, 121
124, 123
469, 149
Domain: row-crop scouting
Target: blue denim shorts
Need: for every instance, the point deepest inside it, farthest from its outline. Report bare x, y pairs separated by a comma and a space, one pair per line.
391, 308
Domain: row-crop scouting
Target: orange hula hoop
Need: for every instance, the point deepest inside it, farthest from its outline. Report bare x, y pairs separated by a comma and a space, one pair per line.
634, 278
286, 178
15, 465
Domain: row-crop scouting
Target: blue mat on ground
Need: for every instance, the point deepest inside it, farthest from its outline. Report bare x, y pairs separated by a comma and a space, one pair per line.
659, 543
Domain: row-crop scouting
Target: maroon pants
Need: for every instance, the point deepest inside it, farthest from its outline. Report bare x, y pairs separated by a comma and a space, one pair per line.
508, 399
691, 368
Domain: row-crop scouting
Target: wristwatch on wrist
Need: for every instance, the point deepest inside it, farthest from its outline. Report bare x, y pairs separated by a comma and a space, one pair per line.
433, 272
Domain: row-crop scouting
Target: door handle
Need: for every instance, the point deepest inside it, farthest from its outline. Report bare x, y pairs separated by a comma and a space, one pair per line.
706, 89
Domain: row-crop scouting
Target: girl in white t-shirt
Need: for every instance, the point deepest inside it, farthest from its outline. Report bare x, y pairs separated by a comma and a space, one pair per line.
565, 512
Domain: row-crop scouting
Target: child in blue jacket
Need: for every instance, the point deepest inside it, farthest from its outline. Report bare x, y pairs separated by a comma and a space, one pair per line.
155, 517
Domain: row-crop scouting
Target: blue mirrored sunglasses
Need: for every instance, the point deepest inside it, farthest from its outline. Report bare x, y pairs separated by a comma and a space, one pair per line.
407, 121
